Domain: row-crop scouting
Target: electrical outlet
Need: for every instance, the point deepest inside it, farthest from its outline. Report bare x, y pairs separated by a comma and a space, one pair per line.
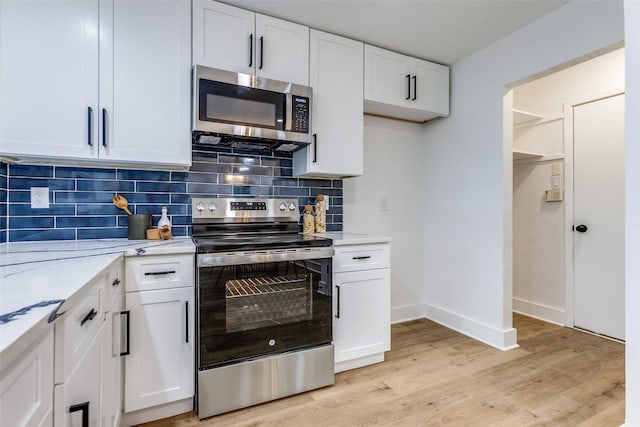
39, 197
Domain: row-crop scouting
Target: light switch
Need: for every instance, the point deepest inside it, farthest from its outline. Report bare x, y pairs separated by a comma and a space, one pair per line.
556, 169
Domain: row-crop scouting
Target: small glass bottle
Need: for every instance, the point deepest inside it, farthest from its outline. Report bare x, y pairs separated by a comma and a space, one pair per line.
164, 219
307, 220
321, 214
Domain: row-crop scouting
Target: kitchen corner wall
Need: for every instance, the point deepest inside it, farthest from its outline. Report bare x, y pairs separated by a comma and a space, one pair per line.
80, 197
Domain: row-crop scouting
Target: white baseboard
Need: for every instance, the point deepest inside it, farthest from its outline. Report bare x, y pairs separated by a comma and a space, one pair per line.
156, 413
539, 311
501, 339
359, 362
406, 313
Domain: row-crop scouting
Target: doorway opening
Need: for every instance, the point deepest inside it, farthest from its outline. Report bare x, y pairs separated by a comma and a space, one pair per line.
548, 114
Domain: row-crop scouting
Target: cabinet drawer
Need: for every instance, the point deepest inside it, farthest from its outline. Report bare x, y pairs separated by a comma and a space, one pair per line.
75, 330
360, 257
159, 272
113, 286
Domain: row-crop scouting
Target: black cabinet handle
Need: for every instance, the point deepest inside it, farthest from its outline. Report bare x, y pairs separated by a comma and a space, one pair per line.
126, 314
116, 282
261, 51
581, 228
408, 87
186, 321
104, 127
89, 126
159, 273
315, 147
84, 407
362, 257
338, 302
415, 88
250, 50
93, 313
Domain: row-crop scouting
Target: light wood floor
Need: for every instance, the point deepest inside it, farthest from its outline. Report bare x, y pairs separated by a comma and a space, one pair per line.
436, 377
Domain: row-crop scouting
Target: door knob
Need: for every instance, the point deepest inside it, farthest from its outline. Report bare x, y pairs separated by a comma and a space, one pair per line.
581, 228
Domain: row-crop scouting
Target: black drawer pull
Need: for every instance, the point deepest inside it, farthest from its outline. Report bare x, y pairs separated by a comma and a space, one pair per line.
362, 257
186, 321
84, 407
116, 282
90, 316
126, 314
159, 273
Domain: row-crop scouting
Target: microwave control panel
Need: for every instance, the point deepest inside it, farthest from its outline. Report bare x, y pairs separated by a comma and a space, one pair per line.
300, 114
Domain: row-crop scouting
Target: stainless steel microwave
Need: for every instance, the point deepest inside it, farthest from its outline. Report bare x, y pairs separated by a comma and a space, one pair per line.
243, 105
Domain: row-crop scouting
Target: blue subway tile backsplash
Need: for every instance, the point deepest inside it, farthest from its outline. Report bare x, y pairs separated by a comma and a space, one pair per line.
80, 197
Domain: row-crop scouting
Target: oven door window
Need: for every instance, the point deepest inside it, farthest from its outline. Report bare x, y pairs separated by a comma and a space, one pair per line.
240, 105
252, 310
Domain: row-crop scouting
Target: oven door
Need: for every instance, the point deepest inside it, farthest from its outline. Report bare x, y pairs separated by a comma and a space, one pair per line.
255, 305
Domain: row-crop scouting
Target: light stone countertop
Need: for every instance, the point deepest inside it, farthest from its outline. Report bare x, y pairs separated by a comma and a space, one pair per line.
343, 238
37, 278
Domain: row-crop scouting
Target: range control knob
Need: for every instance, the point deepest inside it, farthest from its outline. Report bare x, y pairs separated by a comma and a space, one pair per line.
292, 206
282, 207
200, 207
212, 207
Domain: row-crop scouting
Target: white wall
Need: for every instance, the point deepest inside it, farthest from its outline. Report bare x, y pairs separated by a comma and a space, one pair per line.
394, 154
632, 211
468, 171
538, 226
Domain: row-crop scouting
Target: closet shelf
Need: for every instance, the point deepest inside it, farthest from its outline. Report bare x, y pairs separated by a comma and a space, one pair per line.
520, 155
521, 116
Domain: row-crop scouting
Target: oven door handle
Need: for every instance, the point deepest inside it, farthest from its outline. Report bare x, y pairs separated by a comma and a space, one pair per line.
338, 302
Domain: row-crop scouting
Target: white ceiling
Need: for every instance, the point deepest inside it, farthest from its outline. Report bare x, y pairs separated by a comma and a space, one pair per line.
443, 31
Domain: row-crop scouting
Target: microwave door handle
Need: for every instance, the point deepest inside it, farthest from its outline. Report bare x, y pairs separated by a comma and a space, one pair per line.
288, 120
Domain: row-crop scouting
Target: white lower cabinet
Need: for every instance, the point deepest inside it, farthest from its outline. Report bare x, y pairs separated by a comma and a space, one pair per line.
362, 306
159, 366
26, 387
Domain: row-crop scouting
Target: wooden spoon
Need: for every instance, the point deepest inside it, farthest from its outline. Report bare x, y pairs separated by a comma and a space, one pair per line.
121, 202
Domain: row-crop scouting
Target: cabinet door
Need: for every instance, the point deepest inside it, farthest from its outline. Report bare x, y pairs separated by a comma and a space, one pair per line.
49, 78
282, 50
223, 36
336, 78
386, 79
362, 315
430, 87
160, 366
26, 385
151, 86
80, 394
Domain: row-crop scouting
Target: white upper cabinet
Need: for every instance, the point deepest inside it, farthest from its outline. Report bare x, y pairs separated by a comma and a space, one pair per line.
282, 50
49, 78
400, 86
151, 84
336, 77
116, 86
242, 41
223, 37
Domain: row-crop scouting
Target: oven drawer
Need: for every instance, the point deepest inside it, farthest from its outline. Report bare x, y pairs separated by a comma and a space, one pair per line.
360, 257
159, 272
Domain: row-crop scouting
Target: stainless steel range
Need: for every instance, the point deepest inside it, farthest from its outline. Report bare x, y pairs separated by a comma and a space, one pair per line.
263, 304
